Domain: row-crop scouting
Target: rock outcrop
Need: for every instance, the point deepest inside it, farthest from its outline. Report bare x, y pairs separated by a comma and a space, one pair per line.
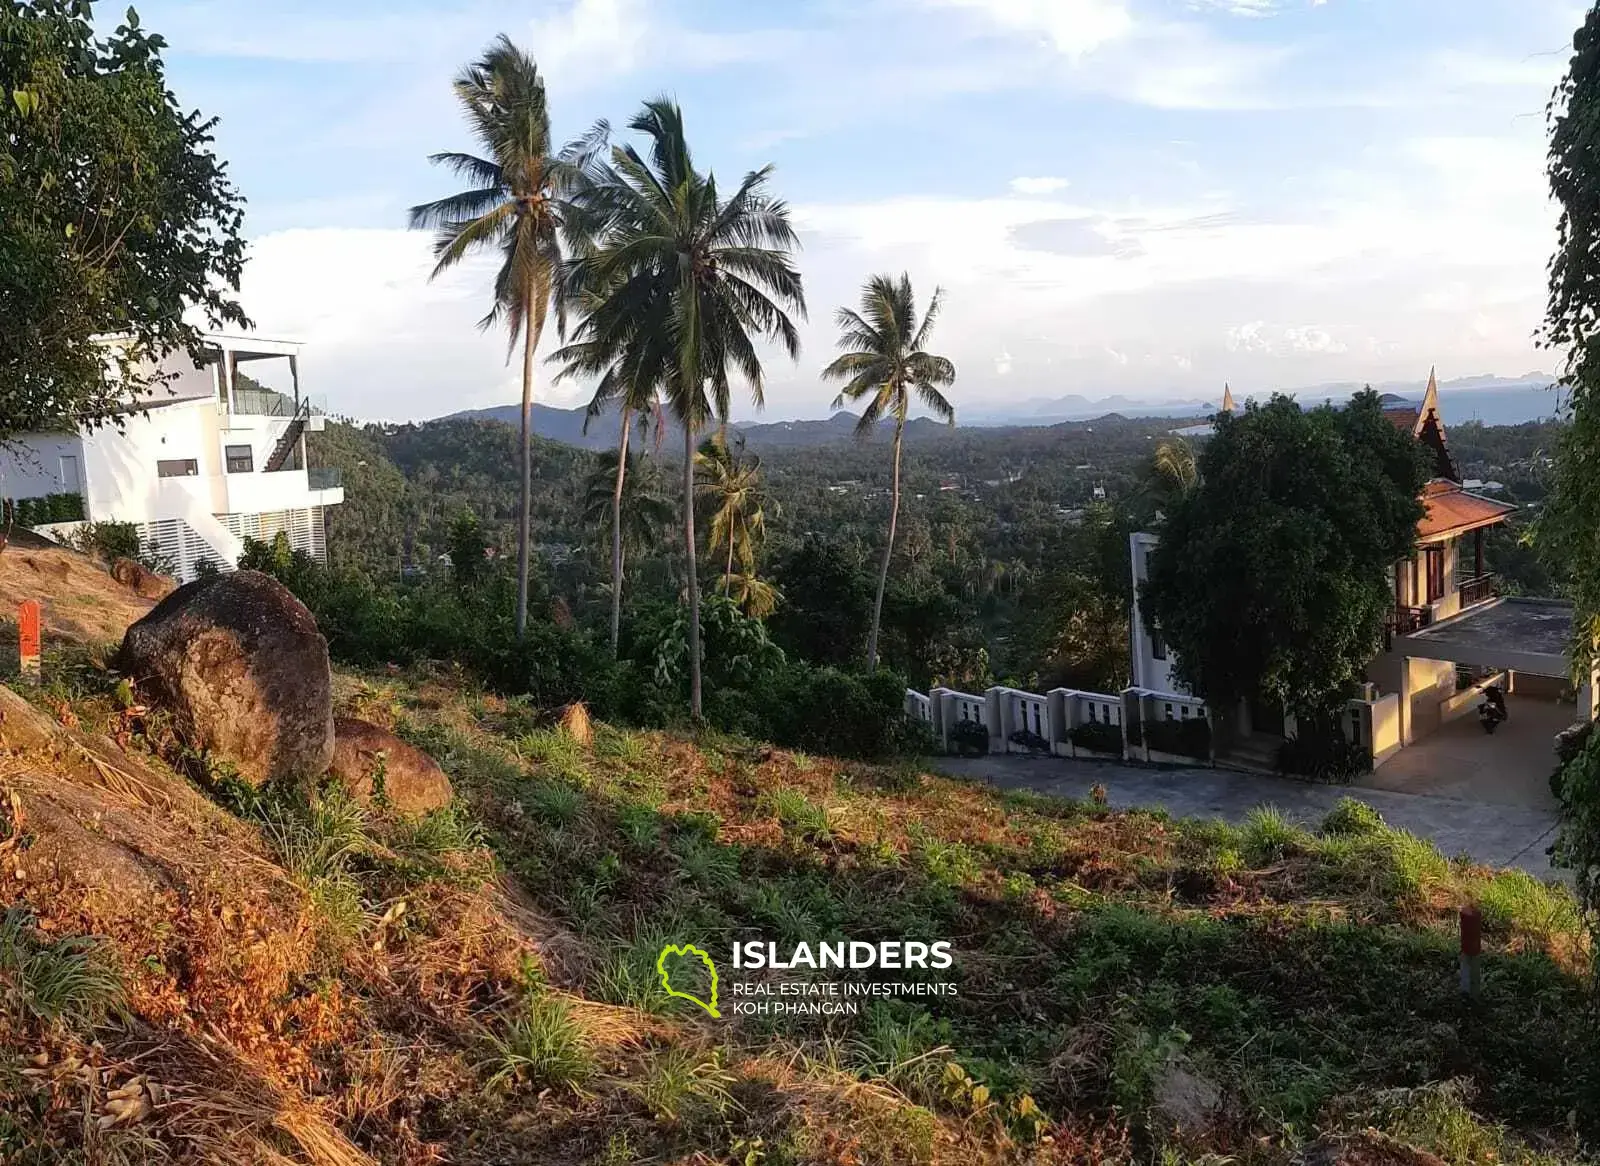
240, 664
141, 580
362, 752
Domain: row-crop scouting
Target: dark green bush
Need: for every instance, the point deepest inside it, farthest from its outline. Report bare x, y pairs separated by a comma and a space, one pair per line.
45, 510
1325, 757
1188, 737
1030, 740
827, 710
1098, 737
1569, 743
750, 687
969, 737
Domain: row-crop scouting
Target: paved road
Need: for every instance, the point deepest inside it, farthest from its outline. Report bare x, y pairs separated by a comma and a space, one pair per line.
1498, 835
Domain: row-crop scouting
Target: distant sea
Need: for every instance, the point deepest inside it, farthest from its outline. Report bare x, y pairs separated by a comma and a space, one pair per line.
1500, 406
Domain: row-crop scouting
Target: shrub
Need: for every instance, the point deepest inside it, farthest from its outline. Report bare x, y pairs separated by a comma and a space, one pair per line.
969, 737
1351, 818
43, 511
1097, 737
1569, 743
1324, 757
1189, 737
1030, 740
110, 540
827, 711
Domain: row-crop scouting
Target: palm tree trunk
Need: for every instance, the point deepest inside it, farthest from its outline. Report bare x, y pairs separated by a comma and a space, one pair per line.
888, 553
525, 522
616, 537
727, 575
689, 562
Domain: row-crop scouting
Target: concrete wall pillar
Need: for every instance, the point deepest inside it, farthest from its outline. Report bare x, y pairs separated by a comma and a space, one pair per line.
998, 718
938, 705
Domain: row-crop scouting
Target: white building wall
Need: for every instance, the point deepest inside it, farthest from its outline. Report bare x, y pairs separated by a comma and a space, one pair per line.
1149, 672
121, 480
40, 464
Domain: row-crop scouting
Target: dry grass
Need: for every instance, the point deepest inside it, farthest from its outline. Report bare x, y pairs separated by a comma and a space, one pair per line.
81, 602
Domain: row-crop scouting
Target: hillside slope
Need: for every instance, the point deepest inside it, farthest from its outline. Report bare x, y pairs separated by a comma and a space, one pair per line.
192, 971
80, 601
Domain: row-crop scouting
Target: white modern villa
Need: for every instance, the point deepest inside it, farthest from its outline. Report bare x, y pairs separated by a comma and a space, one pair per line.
197, 466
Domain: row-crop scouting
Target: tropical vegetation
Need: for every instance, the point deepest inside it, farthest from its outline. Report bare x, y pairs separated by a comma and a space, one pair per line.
885, 364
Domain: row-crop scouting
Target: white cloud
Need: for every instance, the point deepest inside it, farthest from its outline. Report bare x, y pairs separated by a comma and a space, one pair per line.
381, 340
1248, 338
1039, 185
1073, 27
1003, 364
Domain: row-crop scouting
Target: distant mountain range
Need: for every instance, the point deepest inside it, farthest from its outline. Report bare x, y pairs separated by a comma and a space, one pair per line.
567, 427
1490, 399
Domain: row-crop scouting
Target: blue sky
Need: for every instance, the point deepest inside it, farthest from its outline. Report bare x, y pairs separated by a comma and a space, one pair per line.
1146, 197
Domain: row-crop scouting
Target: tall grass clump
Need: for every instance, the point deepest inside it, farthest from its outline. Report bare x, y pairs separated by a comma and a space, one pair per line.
542, 1047
68, 982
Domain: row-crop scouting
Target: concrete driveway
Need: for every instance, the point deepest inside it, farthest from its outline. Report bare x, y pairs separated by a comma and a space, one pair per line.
1498, 834
1459, 760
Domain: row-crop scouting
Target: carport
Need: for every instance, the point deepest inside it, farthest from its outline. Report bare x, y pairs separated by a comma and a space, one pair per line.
1520, 644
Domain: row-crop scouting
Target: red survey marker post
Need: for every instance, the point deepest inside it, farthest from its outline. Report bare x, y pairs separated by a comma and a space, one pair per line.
28, 638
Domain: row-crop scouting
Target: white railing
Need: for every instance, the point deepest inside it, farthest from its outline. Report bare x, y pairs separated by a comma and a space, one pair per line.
1148, 707
1065, 722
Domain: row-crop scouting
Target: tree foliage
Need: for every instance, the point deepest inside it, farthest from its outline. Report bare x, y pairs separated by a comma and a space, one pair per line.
885, 362
681, 284
1568, 535
1270, 575
116, 218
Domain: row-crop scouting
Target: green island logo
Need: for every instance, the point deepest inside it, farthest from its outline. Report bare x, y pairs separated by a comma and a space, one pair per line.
688, 951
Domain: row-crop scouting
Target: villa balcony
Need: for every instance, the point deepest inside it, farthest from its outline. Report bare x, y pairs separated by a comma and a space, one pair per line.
1403, 621
1479, 590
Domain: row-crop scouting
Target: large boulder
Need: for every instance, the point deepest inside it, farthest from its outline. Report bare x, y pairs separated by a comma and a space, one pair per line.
240, 664
412, 783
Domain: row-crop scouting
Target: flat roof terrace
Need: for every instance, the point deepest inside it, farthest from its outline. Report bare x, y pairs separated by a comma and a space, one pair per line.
1522, 635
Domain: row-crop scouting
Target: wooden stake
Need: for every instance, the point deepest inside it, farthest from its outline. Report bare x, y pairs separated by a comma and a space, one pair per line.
1471, 950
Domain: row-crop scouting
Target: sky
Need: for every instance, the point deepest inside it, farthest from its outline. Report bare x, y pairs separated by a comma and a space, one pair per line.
1135, 197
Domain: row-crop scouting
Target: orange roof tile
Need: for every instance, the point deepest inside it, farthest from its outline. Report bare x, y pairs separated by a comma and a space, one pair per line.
1452, 509
1403, 417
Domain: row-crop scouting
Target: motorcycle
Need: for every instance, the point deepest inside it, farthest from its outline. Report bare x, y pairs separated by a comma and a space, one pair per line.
1493, 709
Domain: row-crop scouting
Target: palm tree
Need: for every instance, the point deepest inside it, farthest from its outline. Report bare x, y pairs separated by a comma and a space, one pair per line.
633, 398
629, 497
689, 282
731, 482
513, 207
885, 364
1174, 467
756, 597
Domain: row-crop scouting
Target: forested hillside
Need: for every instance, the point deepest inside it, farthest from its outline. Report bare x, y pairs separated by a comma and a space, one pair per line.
1010, 558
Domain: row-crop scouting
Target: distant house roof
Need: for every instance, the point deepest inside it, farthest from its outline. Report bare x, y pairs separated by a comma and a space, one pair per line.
1452, 510
1425, 423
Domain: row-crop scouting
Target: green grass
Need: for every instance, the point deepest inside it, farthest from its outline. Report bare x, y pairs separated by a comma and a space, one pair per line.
683, 1085
1291, 969
540, 1047
798, 813
69, 982
1269, 837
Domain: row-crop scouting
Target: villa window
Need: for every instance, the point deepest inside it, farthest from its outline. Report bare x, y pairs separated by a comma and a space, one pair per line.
177, 468
241, 459
1158, 646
